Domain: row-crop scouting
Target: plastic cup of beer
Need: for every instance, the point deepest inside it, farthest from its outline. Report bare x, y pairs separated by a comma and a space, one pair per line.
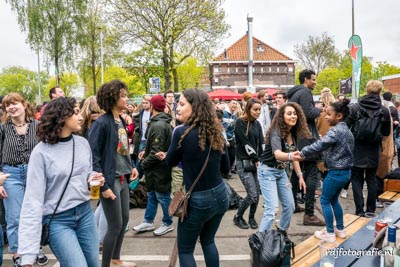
95, 189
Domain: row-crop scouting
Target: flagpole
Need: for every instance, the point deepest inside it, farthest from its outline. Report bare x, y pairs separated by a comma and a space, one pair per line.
353, 79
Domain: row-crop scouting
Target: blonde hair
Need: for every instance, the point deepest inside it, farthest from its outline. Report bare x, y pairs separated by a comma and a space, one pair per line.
90, 106
327, 97
374, 87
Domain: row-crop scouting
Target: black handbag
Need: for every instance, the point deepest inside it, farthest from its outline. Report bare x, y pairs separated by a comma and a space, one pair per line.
248, 165
271, 249
45, 238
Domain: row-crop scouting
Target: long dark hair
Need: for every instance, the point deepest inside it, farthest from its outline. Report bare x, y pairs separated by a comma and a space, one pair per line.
278, 123
246, 114
204, 117
53, 119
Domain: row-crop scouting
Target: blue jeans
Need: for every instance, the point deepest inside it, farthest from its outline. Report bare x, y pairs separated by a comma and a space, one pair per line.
15, 188
73, 237
275, 185
205, 212
1, 244
153, 198
333, 184
142, 147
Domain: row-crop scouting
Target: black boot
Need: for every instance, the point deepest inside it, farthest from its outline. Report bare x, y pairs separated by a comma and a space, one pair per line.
240, 222
298, 209
253, 224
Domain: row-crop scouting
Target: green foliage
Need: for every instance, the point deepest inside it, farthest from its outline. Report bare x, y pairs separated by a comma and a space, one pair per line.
175, 27
189, 74
22, 81
317, 53
69, 82
330, 78
384, 69
54, 27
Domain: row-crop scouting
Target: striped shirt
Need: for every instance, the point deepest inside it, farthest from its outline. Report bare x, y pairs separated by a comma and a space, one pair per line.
16, 149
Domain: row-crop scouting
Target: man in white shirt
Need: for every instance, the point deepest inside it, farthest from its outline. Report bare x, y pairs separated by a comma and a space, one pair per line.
265, 116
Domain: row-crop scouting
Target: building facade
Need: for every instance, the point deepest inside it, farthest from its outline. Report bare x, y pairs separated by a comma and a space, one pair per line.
271, 68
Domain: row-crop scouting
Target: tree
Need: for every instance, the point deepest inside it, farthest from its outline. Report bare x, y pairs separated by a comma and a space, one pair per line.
317, 53
330, 78
22, 81
54, 27
69, 82
175, 27
384, 69
144, 64
189, 73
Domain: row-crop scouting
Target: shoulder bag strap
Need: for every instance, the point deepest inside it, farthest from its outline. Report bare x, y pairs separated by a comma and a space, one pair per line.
200, 173
69, 178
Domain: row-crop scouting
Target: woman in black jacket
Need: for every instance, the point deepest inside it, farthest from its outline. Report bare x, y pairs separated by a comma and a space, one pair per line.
108, 140
249, 140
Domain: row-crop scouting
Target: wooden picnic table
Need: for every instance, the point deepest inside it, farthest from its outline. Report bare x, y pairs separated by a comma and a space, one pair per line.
362, 241
389, 196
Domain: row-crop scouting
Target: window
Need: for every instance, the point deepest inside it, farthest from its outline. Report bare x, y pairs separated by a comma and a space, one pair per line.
217, 69
277, 69
290, 69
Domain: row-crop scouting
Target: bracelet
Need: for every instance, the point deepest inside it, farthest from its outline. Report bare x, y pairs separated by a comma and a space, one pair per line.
299, 174
289, 156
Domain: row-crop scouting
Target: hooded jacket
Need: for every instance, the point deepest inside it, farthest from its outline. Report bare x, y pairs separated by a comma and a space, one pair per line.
366, 155
303, 96
158, 136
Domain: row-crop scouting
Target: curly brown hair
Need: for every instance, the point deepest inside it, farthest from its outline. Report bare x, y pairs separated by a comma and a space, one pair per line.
278, 123
204, 117
53, 119
109, 93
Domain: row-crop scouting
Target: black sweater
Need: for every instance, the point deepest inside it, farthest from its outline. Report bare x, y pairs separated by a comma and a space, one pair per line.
193, 158
248, 146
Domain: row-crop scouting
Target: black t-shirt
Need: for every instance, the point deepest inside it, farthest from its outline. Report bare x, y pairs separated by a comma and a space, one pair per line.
276, 143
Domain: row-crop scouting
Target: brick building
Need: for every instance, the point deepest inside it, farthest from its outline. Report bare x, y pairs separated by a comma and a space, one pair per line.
271, 68
392, 83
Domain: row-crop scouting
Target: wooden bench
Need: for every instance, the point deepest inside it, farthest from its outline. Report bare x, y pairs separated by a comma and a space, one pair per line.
389, 196
307, 252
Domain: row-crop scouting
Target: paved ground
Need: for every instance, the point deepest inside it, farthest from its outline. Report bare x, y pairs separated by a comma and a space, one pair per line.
148, 250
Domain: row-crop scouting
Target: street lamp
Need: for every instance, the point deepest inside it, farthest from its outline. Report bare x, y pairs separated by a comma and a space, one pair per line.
101, 55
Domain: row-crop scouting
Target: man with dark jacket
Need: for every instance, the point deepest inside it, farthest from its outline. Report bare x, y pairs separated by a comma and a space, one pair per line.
366, 154
301, 94
157, 172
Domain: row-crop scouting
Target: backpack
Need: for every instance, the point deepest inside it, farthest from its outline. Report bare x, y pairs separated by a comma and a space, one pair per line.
138, 196
367, 127
271, 249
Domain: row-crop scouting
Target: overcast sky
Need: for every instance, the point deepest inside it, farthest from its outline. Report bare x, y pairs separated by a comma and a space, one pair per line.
279, 23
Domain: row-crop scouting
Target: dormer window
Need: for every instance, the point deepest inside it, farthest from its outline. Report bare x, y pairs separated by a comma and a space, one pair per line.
260, 47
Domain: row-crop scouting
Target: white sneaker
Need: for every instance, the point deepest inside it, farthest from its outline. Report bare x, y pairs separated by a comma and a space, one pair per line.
144, 227
323, 235
343, 194
163, 229
379, 204
340, 233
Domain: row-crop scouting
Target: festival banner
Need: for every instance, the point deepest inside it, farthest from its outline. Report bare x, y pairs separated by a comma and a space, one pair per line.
356, 56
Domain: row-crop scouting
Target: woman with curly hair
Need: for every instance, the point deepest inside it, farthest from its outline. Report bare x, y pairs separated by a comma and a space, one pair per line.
288, 125
17, 140
199, 134
72, 234
108, 140
249, 141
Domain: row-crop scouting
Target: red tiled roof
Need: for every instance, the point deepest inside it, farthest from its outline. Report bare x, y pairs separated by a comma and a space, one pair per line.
239, 51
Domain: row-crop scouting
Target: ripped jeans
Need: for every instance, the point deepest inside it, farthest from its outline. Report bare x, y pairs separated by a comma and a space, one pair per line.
275, 186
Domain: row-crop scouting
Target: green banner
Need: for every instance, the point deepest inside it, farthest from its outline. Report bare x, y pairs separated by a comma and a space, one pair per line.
355, 48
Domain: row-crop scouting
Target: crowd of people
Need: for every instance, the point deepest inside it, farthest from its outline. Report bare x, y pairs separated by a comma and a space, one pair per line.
282, 147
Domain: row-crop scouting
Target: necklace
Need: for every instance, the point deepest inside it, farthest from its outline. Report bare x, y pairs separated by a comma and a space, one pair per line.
19, 125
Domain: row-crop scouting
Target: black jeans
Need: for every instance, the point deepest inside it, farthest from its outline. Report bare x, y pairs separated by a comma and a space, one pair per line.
358, 176
117, 215
310, 172
252, 186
